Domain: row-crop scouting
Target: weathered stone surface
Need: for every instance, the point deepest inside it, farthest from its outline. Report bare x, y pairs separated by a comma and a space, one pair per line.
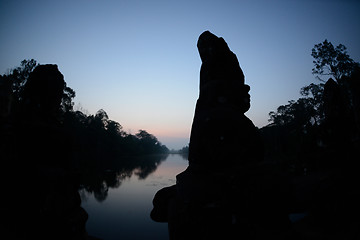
220, 129
219, 194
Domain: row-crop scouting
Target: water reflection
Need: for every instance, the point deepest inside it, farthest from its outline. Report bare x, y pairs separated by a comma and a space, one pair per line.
98, 180
122, 208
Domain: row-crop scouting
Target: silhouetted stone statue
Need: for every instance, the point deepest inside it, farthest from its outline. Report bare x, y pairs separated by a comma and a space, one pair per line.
220, 129
42, 192
43, 91
223, 193
5, 98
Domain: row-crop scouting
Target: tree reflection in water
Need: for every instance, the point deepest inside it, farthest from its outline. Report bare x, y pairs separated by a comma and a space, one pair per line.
98, 179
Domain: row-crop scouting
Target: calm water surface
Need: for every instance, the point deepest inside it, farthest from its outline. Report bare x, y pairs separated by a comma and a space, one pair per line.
125, 211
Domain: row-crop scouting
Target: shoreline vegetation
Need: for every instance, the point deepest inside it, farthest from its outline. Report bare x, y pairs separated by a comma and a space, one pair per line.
53, 150
50, 151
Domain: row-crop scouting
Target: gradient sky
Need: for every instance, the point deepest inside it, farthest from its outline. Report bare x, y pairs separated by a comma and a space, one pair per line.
138, 60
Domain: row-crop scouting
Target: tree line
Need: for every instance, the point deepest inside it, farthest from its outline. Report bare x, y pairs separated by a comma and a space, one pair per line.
322, 126
50, 151
43, 138
95, 136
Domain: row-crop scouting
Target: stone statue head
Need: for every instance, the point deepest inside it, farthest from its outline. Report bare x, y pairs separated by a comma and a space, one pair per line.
221, 78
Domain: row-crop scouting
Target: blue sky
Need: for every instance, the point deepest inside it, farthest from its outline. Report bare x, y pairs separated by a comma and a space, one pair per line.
138, 60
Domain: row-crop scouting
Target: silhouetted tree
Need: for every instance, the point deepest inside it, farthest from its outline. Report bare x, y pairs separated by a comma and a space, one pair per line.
42, 109
99, 121
284, 114
184, 152
20, 75
314, 95
149, 143
329, 60
332, 61
325, 111
306, 111
115, 129
67, 103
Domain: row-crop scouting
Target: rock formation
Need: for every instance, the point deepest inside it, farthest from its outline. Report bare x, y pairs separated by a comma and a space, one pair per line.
43, 91
42, 199
220, 129
220, 194
229, 192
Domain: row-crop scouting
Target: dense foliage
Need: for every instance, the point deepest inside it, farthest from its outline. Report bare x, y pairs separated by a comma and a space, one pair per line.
325, 119
96, 136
